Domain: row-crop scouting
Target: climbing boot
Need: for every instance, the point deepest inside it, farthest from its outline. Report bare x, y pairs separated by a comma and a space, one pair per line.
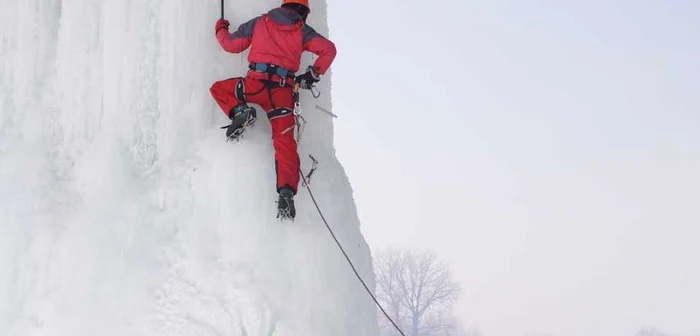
242, 117
285, 205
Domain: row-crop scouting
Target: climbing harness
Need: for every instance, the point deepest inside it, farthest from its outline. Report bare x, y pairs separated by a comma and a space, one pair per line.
273, 70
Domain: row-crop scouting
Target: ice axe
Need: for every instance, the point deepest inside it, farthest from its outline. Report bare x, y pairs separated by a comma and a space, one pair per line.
222, 9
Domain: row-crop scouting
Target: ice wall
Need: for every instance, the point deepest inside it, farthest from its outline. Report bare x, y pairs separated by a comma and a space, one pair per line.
123, 211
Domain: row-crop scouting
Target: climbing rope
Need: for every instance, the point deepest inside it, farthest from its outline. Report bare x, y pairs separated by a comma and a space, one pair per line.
340, 246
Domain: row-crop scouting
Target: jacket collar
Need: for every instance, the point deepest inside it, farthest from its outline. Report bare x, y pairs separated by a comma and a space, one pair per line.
285, 16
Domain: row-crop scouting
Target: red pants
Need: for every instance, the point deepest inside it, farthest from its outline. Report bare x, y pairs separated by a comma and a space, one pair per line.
278, 102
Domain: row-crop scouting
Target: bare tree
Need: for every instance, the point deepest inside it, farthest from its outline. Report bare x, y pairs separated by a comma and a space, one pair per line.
418, 292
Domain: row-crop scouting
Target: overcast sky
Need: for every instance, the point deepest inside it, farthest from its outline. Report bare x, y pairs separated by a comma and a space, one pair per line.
549, 150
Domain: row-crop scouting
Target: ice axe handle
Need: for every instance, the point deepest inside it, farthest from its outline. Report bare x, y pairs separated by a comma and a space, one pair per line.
222, 9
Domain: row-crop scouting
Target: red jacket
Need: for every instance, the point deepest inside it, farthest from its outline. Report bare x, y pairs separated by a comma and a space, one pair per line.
279, 37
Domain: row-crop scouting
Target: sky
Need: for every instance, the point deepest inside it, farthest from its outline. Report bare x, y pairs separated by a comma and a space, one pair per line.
548, 150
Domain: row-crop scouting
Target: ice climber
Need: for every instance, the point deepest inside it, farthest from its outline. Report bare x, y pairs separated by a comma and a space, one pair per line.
277, 40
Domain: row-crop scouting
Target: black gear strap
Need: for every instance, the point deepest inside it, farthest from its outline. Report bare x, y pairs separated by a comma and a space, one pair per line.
240, 91
279, 112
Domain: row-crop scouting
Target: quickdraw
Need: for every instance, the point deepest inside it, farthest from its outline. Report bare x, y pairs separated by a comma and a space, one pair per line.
299, 121
314, 165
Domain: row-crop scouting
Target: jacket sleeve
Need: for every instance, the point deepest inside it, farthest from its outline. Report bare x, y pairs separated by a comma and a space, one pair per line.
240, 40
321, 46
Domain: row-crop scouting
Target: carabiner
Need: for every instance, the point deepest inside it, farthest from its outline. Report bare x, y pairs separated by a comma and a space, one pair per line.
315, 93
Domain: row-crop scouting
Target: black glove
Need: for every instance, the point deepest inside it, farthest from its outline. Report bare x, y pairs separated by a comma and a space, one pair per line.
308, 79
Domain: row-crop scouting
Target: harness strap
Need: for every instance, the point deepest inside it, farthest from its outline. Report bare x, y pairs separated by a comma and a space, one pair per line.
279, 112
272, 69
240, 90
